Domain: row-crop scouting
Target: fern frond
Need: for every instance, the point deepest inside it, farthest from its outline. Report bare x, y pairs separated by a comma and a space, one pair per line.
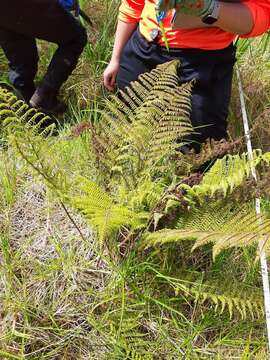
132, 354
100, 210
146, 195
224, 226
244, 306
226, 174
241, 300
147, 123
16, 115
23, 127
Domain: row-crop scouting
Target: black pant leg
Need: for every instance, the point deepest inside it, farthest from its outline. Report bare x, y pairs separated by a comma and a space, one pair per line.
66, 57
136, 59
47, 20
21, 52
212, 72
220, 95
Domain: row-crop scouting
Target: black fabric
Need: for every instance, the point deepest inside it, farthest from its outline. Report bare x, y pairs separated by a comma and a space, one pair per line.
21, 22
211, 69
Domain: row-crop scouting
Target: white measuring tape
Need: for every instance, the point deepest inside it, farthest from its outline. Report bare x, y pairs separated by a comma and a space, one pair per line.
264, 267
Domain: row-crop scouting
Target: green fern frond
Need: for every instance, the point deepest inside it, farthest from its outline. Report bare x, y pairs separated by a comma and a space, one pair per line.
248, 303
226, 174
251, 307
146, 123
100, 210
25, 131
146, 195
39, 153
224, 226
16, 115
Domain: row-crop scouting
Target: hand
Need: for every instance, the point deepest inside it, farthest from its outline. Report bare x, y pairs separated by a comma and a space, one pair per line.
199, 8
110, 74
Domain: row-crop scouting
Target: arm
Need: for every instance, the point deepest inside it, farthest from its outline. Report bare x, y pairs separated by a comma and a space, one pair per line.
229, 12
235, 18
122, 35
246, 18
129, 17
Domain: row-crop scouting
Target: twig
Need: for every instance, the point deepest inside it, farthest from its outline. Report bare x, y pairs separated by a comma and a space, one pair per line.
72, 220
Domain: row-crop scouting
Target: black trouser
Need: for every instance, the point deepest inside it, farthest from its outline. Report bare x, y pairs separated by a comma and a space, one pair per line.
212, 70
21, 21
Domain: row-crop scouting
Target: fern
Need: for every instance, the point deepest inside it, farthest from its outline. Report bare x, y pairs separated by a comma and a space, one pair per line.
101, 210
223, 225
142, 127
225, 175
240, 301
132, 354
245, 306
16, 115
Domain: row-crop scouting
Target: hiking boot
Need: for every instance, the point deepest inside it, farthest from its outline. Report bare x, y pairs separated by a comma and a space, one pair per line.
45, 99
25, 92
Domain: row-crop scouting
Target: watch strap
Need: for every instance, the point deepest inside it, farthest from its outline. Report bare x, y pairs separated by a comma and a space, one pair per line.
214, 14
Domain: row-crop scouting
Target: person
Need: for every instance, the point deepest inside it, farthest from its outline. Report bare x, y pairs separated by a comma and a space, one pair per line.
200, 33
21, 22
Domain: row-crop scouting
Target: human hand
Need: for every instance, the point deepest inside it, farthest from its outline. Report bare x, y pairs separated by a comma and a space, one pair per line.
109, 75
199, 8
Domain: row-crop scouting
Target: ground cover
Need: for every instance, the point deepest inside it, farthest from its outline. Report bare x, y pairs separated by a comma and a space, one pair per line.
88, 267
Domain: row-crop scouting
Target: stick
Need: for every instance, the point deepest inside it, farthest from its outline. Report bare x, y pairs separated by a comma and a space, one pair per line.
263, 260
86, 17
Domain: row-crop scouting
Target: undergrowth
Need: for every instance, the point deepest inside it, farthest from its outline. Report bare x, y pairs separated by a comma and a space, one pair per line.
120, 247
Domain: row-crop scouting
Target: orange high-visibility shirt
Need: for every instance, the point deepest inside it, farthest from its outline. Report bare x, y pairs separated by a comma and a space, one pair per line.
212, 38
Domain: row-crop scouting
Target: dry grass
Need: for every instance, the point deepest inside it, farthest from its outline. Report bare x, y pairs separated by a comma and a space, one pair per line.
49, 276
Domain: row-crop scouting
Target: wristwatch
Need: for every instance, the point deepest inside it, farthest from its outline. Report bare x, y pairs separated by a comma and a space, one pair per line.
213, 17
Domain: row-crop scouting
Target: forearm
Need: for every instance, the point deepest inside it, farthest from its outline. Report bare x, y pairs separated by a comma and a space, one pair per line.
235, 18
123, 33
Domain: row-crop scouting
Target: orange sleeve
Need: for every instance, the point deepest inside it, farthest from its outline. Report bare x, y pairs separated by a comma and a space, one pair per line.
130, 10
260, 10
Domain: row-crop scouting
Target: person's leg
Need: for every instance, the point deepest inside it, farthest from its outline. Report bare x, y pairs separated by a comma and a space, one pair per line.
47, 20
22, 55
64, 61
61, 66
212, 72
66, 56
221, 93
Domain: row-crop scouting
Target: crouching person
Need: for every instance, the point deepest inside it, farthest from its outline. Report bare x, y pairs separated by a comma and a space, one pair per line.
21, 23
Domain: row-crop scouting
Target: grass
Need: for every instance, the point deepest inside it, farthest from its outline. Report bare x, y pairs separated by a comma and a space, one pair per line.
62, 298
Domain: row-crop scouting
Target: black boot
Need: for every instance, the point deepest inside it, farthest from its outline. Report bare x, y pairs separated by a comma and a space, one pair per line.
25, 92
45, 99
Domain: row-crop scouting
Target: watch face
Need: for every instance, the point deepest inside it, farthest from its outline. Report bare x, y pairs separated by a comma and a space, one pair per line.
209, 20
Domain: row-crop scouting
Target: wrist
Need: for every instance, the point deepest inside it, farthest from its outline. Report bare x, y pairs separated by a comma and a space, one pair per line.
211, 15
115, 58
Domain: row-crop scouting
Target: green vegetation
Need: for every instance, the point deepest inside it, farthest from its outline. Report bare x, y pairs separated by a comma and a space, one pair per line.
113, 245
